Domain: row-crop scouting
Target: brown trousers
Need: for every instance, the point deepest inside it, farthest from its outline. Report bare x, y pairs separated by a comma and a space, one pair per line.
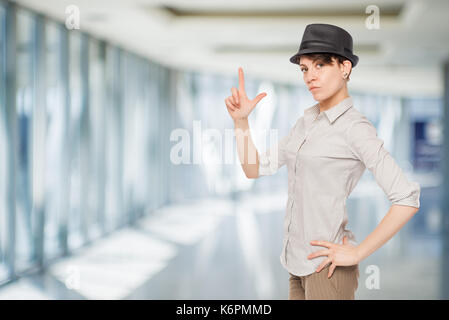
317, 286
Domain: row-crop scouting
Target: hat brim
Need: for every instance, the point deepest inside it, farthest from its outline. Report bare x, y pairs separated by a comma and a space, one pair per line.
353, 58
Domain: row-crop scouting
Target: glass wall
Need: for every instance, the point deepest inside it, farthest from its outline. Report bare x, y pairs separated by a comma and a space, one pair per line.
95, 127
76, 227
25, 91
3, 151
113, 143
135, 131
56, 115
84, 144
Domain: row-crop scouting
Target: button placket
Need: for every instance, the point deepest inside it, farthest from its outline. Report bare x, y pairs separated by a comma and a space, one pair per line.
312, 127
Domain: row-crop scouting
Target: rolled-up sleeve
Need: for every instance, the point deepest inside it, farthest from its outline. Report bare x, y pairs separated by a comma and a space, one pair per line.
368, 147
274, 158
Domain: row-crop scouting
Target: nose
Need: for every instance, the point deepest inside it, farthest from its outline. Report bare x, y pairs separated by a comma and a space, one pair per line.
311, 76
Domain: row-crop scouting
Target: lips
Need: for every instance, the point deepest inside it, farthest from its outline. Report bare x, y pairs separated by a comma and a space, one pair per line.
312, 88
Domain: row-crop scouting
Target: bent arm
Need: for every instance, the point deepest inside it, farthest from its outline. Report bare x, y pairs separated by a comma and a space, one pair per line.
394, 220
248, 155
403, 194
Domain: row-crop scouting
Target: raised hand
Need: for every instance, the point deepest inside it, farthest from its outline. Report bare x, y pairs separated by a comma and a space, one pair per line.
238, 104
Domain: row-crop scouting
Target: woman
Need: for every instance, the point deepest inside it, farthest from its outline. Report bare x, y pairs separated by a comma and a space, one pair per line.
326, 153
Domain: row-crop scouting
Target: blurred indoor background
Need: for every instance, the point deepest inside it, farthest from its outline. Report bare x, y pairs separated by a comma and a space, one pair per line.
92, 205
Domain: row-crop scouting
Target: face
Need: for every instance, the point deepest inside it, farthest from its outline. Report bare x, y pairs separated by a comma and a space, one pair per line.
323, 81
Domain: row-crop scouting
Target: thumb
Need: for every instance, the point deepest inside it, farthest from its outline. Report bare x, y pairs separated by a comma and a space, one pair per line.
259, 97
345, 240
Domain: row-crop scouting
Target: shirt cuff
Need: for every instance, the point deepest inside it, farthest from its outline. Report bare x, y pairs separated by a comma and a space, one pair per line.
412, 199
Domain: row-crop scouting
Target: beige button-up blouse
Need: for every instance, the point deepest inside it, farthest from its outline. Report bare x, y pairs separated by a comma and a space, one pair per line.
326, 154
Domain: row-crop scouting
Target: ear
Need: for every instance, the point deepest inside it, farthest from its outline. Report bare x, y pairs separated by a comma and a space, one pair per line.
345, 68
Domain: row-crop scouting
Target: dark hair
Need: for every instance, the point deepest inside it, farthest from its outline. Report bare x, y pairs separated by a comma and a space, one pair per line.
325, 58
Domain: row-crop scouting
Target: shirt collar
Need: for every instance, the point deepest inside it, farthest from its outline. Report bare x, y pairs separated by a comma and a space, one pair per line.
332, 113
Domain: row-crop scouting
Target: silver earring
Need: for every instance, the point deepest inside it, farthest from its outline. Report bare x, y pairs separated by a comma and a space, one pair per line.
345, 75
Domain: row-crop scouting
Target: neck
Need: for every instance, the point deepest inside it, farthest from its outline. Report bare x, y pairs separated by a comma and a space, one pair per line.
334, 99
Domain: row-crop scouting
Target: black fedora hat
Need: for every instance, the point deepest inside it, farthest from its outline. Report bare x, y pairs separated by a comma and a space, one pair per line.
326, 38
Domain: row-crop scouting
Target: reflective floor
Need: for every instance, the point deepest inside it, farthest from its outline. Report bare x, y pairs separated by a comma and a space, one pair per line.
222, 249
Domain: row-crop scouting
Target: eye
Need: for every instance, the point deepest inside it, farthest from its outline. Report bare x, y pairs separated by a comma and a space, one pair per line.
320, 64
302, 70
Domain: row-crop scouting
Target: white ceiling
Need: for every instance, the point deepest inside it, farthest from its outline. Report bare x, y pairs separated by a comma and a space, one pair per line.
404, 56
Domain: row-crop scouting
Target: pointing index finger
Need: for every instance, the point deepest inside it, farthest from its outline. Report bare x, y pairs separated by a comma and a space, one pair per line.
241, 80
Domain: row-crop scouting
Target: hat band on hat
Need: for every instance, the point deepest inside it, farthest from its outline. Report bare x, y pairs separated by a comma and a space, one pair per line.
315, 43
